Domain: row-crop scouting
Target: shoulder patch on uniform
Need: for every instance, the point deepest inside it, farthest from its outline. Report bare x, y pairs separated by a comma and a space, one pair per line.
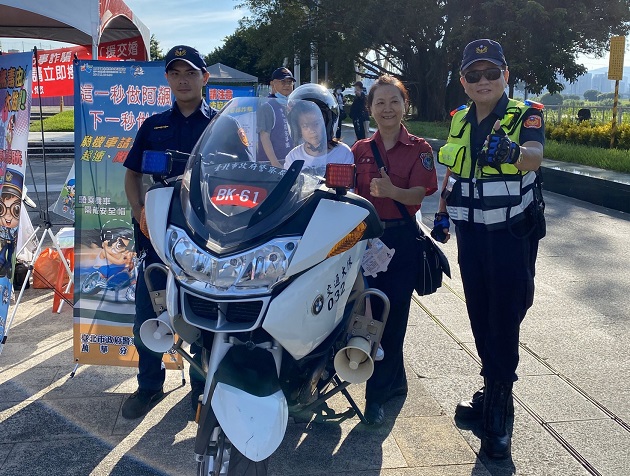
427, 160
533, 122
161, 127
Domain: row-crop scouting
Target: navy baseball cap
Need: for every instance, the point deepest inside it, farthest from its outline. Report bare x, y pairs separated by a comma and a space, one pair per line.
282, 73
483, 50
187, 54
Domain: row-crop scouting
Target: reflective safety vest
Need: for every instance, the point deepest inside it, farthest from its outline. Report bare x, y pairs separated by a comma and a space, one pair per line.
486, 195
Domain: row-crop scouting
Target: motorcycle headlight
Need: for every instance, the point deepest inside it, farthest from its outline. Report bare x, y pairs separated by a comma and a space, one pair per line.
260, 268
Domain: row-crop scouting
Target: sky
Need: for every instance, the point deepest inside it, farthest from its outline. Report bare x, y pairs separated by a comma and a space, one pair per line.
204, 24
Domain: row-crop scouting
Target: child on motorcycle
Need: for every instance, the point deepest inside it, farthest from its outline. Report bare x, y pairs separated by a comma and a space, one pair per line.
313, 114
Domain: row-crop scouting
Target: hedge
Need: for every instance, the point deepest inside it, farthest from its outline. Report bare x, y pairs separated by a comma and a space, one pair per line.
589, 133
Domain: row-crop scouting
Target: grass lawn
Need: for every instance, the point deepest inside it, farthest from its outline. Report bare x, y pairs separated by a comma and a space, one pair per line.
62, 122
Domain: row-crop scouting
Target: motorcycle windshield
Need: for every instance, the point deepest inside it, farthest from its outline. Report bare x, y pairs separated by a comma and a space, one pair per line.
231, 190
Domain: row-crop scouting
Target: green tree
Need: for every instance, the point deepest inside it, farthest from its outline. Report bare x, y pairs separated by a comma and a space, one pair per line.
604, 96
549, 99
154, 49
421, 42
591, 94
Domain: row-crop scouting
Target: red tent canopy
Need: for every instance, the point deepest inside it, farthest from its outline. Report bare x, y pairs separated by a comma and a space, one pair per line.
80, 22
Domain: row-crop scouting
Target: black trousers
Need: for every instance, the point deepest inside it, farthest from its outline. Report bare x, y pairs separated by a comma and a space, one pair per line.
359, 130
497, 269
398, 284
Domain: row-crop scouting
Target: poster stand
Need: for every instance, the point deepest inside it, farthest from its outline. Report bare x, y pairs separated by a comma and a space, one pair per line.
47, 226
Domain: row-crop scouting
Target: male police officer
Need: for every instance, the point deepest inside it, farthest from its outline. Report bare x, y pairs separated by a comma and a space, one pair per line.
493, 150
177, 129
273, 130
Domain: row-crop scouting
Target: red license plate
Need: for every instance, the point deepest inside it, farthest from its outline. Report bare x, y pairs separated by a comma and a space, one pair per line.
239, 195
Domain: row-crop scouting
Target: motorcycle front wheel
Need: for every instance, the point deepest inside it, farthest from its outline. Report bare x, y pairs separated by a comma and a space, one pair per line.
241, 466
90, 285
226, 460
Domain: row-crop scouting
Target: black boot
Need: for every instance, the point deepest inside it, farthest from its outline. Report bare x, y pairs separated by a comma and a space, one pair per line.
473, 409
496, 441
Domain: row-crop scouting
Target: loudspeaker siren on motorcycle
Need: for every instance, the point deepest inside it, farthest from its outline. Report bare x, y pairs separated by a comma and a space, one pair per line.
354, 363
157, 334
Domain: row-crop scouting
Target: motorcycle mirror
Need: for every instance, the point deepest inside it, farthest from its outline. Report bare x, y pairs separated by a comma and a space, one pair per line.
156, 162
340, 176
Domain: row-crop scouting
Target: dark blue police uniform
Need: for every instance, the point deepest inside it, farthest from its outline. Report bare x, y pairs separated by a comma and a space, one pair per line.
498, 266
170, 130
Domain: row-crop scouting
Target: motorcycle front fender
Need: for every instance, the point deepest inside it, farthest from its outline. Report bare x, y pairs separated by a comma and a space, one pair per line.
254, 425
248, 402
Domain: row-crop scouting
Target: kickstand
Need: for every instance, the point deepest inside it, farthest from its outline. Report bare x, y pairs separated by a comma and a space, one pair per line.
351, 401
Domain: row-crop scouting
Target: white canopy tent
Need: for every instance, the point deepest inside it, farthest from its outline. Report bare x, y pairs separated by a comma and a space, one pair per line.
220, 73
80, 22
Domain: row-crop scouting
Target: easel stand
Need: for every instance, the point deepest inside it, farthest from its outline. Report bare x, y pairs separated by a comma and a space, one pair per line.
46, 231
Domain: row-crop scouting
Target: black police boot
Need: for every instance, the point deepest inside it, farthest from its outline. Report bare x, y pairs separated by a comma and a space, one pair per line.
374, 413
473, 409
140, 402
496, 441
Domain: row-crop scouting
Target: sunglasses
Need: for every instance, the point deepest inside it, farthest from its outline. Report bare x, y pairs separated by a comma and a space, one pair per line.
491, 74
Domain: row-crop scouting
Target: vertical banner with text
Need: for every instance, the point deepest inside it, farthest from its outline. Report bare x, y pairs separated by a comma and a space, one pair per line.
15, 97
112, 100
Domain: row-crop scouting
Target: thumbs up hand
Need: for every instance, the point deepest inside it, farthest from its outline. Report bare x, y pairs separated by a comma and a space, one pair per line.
499, 149
382, 187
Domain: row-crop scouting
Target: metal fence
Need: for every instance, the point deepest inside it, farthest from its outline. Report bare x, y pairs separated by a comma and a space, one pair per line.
555, 114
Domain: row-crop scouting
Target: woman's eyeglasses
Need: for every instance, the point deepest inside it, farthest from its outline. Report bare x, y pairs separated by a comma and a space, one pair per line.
491, 74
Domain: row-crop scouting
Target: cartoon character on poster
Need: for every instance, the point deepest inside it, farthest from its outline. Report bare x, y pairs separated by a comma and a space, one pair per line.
64, 206
68, 197
10, 205
111, 264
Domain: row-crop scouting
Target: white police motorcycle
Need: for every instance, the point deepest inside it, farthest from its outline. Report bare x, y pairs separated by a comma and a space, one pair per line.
263, 272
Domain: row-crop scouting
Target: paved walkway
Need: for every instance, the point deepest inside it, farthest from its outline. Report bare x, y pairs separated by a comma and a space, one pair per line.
572, 398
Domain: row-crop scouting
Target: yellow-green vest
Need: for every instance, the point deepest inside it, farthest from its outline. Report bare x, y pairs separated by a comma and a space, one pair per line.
499, 194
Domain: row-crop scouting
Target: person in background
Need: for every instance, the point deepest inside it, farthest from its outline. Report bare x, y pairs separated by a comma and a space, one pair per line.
408, 176
178, 129
359, 111
492, 152
342, 112
274, 141
313, 114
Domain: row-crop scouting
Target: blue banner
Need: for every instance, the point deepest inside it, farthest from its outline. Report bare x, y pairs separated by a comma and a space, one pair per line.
15, 105
219, 94
112, 100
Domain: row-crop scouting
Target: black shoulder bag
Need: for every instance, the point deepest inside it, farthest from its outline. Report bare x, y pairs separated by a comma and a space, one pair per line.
433, 262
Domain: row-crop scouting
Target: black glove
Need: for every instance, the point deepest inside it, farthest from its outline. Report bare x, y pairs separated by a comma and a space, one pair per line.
499, 150
440, 222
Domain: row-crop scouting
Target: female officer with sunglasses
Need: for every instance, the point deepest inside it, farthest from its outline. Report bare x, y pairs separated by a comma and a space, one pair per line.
493, 151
